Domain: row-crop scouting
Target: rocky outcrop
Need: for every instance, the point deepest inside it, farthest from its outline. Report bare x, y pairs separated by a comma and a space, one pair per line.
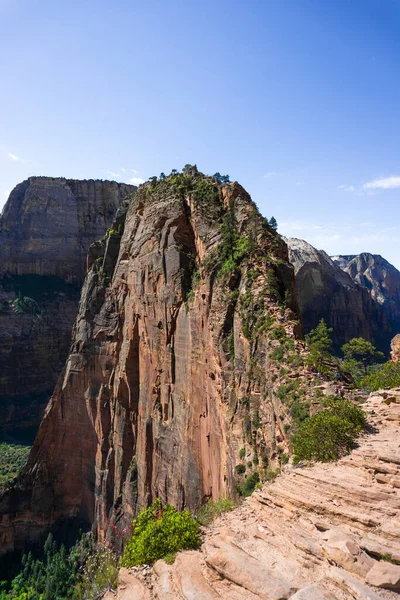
169, 373
325, 291
46, 228
378, 276
395, 348
322, 532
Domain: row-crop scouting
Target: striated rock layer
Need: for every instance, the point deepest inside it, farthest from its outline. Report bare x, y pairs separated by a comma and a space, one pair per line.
323, 532
169, 371
325, 291
46, 228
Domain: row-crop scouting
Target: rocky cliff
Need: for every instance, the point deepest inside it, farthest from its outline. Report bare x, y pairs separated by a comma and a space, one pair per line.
321, 532
325, 291
379, 277
169, 375
46, 228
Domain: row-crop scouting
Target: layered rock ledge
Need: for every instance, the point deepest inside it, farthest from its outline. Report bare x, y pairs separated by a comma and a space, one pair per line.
325, 532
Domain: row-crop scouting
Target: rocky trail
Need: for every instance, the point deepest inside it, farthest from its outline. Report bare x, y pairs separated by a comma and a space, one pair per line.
324, 532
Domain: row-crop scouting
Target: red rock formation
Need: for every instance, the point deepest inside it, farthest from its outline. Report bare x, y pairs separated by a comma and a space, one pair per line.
395, 349
169, 373
45, 231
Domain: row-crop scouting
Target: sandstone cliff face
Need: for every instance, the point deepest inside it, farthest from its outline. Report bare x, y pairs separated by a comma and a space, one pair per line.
169, 373
46, 228
379, 277
325, 291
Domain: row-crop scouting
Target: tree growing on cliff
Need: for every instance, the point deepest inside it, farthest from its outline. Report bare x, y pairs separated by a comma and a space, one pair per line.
273, 223
319, 343
361, 353
221, 178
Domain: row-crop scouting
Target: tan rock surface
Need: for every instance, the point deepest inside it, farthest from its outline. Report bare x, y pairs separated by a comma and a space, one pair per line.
320, 532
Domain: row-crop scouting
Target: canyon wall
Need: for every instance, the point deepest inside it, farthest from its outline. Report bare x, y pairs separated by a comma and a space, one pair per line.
169, 374
325, 291
46, 228
379, 277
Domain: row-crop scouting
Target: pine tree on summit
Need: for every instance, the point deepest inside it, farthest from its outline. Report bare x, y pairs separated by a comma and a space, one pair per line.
273, 223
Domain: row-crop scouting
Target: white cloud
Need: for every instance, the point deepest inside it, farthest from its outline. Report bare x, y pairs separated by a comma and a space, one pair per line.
114, 174
134, 171
13, 156
7, 193
388, 183
271, 174
347, 188
136, 180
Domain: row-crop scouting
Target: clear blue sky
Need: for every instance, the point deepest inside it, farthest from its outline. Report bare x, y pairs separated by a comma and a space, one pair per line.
298, 100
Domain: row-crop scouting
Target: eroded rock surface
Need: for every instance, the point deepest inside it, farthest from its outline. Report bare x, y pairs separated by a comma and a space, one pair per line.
378, 276
325, 291
325, 532
46, 228
169, 373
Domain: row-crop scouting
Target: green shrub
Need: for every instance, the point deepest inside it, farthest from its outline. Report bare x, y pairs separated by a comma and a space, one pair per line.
159, 531
329, 434
209, 511
13, 458
278, 333
240, 469
385, 377
277, 353
249, 484
345, 410
242, 453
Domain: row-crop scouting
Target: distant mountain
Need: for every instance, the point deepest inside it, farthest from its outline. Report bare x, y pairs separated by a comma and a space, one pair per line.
325, 289
378, 276
46, 228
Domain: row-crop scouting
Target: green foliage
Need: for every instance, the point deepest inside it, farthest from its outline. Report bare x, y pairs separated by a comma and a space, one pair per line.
221, 178
362, 352
273, 223
209, 511
170, 558
345, 410
384, 377
278, 333
240, 469
24, 305
13, 458
319, 344
249, 484
158, 531
83, 573
329, 434
277, 353
242, 453
272, 284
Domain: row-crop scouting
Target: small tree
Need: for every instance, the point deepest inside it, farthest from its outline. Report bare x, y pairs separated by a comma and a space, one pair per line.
221, 178
273, 223
319, 343
362, 352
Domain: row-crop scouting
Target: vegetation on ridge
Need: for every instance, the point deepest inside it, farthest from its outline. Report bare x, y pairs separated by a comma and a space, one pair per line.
13, 458
159, 531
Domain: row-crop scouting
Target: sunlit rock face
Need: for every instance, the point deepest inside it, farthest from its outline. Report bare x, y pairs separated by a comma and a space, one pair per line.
46, 228
169, 372
326, 291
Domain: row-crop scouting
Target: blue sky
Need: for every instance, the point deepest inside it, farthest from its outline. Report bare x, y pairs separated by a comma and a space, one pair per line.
298, 100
